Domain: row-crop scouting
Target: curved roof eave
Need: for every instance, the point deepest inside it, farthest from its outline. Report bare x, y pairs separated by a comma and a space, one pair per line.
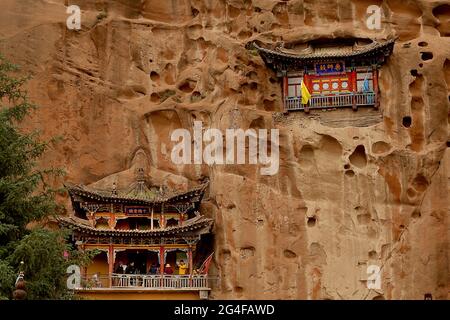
370, 50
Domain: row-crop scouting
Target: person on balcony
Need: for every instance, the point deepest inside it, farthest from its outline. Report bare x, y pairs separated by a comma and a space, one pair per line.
366, 89
131, 268
142, 268
182, 268
168, 269
96, 280
120, 268
153, 269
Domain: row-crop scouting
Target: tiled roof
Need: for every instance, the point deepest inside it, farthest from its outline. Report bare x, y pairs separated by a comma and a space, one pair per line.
318, 53
83, 226
138, 193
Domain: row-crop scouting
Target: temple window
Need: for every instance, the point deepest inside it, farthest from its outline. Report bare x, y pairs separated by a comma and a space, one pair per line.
139, 223
328, 74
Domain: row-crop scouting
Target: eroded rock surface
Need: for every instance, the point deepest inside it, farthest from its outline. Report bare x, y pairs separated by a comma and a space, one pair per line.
353, 190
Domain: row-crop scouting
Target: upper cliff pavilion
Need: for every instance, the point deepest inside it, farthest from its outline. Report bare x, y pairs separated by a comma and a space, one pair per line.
337, 73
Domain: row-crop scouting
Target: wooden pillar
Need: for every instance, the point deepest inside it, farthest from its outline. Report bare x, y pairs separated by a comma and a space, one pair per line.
112, 221
190, 259
180, 221
151, 221
161, 260
375, 86
306, 79
110, 263
162, 218
84, 272
354, 88
91, 218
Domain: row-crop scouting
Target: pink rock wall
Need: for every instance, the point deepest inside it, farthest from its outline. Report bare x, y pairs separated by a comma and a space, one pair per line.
354, 188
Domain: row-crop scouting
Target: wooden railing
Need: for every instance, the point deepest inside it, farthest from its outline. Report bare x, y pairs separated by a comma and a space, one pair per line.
293, 103
137, 281
332, 101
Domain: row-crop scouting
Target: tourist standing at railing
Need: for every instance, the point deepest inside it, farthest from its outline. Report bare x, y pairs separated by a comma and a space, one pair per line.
96, 280
121, 268
153, 269
182, 268
131, 268
142, 268
168, 269
118, 268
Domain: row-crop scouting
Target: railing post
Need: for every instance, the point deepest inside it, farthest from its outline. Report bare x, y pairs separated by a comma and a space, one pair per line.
305, 106
354, 89
161, 263
285, 93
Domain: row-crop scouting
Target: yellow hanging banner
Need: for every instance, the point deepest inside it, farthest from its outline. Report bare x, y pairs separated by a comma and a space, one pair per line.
305, 94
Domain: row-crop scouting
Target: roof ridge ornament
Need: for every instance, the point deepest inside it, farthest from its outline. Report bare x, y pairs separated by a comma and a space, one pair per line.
280, 45
114, 190
140, 175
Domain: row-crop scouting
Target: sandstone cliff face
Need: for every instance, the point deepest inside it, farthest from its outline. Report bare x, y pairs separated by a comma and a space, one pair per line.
354, 189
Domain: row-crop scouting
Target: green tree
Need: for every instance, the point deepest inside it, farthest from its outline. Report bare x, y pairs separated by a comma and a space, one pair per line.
26, 198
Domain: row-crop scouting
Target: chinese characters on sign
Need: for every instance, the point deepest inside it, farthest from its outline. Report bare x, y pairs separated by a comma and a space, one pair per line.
131, 210
333, 67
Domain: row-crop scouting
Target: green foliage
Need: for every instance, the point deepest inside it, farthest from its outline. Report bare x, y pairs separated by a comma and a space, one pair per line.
6, 279
195, 97
25, 197
166, 94
44, 263
102, 15
253, 52
23, 193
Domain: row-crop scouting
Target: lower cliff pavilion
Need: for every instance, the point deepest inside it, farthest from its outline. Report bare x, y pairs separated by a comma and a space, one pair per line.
150, 239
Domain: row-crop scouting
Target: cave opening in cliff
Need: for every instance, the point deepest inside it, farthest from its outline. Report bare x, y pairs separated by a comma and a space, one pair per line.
426, 56
311, 221
407, 121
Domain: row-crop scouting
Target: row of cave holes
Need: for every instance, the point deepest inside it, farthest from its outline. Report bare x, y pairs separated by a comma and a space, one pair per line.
311, 221
196, 95
184, 87
407, 121
425, 55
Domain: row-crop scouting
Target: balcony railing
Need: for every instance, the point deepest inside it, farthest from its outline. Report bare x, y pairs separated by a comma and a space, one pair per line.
332, 101
136, 281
